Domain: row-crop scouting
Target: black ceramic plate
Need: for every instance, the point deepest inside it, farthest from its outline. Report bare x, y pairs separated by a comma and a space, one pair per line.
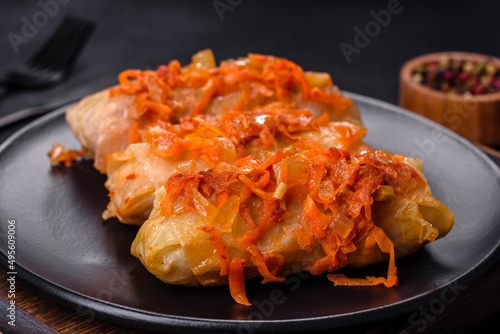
66, 251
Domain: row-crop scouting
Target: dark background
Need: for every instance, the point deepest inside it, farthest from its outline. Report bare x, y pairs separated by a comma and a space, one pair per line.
145, 34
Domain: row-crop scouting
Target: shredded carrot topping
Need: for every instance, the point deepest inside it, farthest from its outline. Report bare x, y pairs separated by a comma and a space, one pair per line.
220, 247
265, 102
336, 209
258, 80
236, 281
61, 154
178, 109
200, 137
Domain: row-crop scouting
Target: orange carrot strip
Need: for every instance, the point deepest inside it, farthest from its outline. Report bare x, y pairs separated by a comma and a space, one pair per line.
161, 109
259, 262
263, 180
124, 76
61, 154
316, 172
237, 281
277, 157
220, 247
353, 137
386, 246
324, 119
246, 215
316, 220
174, 187
212, 128
133, 135
257, 191
268, 220
221, 199
321, 95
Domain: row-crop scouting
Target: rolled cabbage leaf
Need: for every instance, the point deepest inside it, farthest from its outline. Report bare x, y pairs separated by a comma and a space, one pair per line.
108, 121
316, 210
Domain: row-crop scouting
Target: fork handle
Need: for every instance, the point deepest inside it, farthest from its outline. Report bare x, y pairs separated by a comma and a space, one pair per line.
32, 111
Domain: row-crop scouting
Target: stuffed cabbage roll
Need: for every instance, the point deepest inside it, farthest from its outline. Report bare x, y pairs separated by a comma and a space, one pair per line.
313, 210
108, 121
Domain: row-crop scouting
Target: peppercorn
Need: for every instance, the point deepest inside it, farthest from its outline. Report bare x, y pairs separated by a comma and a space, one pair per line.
459, 76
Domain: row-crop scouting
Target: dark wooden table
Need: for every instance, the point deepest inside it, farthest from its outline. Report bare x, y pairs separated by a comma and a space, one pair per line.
134, 34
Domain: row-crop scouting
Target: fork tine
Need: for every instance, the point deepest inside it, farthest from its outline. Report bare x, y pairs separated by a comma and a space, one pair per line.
47, 51
77, 40
51, 53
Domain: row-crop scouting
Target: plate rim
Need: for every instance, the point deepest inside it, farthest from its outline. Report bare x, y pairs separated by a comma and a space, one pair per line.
160, 322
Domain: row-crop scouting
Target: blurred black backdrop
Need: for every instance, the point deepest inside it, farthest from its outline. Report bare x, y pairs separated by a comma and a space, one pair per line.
318, 35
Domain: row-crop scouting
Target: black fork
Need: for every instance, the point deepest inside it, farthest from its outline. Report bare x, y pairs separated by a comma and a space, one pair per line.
53, 61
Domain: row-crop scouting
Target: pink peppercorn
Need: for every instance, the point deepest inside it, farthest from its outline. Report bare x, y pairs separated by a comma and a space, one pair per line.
463, 76
448, 75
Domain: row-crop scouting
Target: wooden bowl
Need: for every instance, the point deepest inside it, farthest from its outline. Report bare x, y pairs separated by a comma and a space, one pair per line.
476, 117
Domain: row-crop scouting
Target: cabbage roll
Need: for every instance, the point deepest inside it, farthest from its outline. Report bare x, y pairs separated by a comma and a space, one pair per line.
110, 120
314, 210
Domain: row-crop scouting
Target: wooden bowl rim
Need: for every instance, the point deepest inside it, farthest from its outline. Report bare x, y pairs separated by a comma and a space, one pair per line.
407, 69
